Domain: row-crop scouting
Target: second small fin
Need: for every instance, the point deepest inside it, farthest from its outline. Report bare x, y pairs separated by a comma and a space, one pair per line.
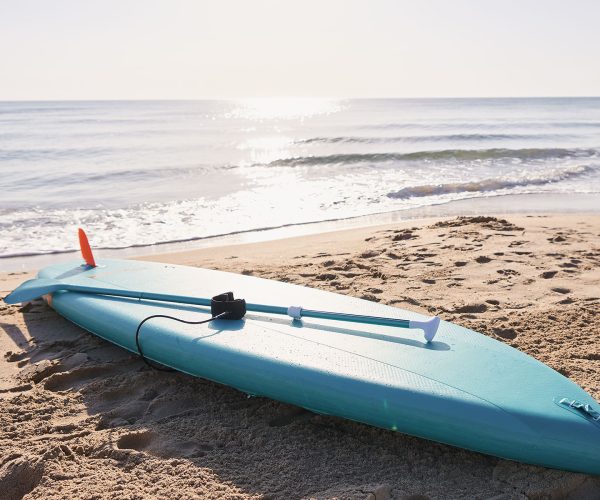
86, 250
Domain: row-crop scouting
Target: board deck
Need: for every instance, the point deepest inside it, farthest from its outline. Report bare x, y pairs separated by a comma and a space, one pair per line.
463, 389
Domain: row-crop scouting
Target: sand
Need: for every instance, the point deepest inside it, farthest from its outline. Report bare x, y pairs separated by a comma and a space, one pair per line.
80, 418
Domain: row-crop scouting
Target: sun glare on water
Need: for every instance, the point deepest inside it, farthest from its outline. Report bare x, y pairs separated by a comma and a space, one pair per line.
269, 140
285, 108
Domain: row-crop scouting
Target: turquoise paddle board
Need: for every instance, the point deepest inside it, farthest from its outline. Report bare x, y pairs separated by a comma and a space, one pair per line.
463, 388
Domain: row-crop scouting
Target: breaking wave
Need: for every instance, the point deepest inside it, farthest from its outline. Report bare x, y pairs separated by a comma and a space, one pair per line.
487, 185
428, 138
445, 154
485, 124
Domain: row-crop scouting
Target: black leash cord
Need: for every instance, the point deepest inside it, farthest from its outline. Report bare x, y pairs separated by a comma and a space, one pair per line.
137, 335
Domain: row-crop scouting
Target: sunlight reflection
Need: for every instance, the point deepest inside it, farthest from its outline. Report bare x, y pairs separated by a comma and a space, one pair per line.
285, 108
266, 142
267, 148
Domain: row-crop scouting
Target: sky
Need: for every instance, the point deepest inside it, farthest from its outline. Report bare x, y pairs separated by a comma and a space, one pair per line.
193, 49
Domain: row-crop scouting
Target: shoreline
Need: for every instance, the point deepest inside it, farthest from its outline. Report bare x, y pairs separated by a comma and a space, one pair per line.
550, 203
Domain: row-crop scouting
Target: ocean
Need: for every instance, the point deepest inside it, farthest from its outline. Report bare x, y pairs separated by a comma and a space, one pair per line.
136, 173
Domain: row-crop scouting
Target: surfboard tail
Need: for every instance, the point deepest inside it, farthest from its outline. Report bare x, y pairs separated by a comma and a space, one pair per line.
86, 250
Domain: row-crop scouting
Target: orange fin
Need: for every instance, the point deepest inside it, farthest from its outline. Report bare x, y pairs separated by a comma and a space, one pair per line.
86, 250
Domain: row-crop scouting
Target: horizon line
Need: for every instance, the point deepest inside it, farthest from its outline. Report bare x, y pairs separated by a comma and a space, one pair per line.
185, 99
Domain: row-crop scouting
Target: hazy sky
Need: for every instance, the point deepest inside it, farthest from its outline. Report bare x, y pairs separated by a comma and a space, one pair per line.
119, 49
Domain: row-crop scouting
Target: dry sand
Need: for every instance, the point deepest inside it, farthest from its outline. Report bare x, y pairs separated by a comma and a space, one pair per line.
80, 418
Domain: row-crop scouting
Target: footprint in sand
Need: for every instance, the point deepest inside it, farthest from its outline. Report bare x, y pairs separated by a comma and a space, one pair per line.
136, 441
505, 333
380, 275
508, 272
568, 265
482, 259
406, 234
19, 475
13, 357
370, 296
548, 274
470, 308
326, 276
568, 300
39, 371
517, 243
369, 254
164, 447
76, 378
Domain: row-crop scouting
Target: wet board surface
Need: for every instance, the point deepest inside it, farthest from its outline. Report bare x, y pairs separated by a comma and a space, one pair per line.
463, 389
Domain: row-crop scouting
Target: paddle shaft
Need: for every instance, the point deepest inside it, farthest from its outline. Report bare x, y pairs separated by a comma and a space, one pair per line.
183, 299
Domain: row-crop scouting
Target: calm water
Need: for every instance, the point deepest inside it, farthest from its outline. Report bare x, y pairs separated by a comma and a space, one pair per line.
138, 173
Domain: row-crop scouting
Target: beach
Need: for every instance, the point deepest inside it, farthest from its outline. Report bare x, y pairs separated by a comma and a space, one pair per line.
81, 418
404, 199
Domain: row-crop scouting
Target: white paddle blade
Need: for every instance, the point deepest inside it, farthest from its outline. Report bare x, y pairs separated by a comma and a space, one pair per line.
429, 327
33, 289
